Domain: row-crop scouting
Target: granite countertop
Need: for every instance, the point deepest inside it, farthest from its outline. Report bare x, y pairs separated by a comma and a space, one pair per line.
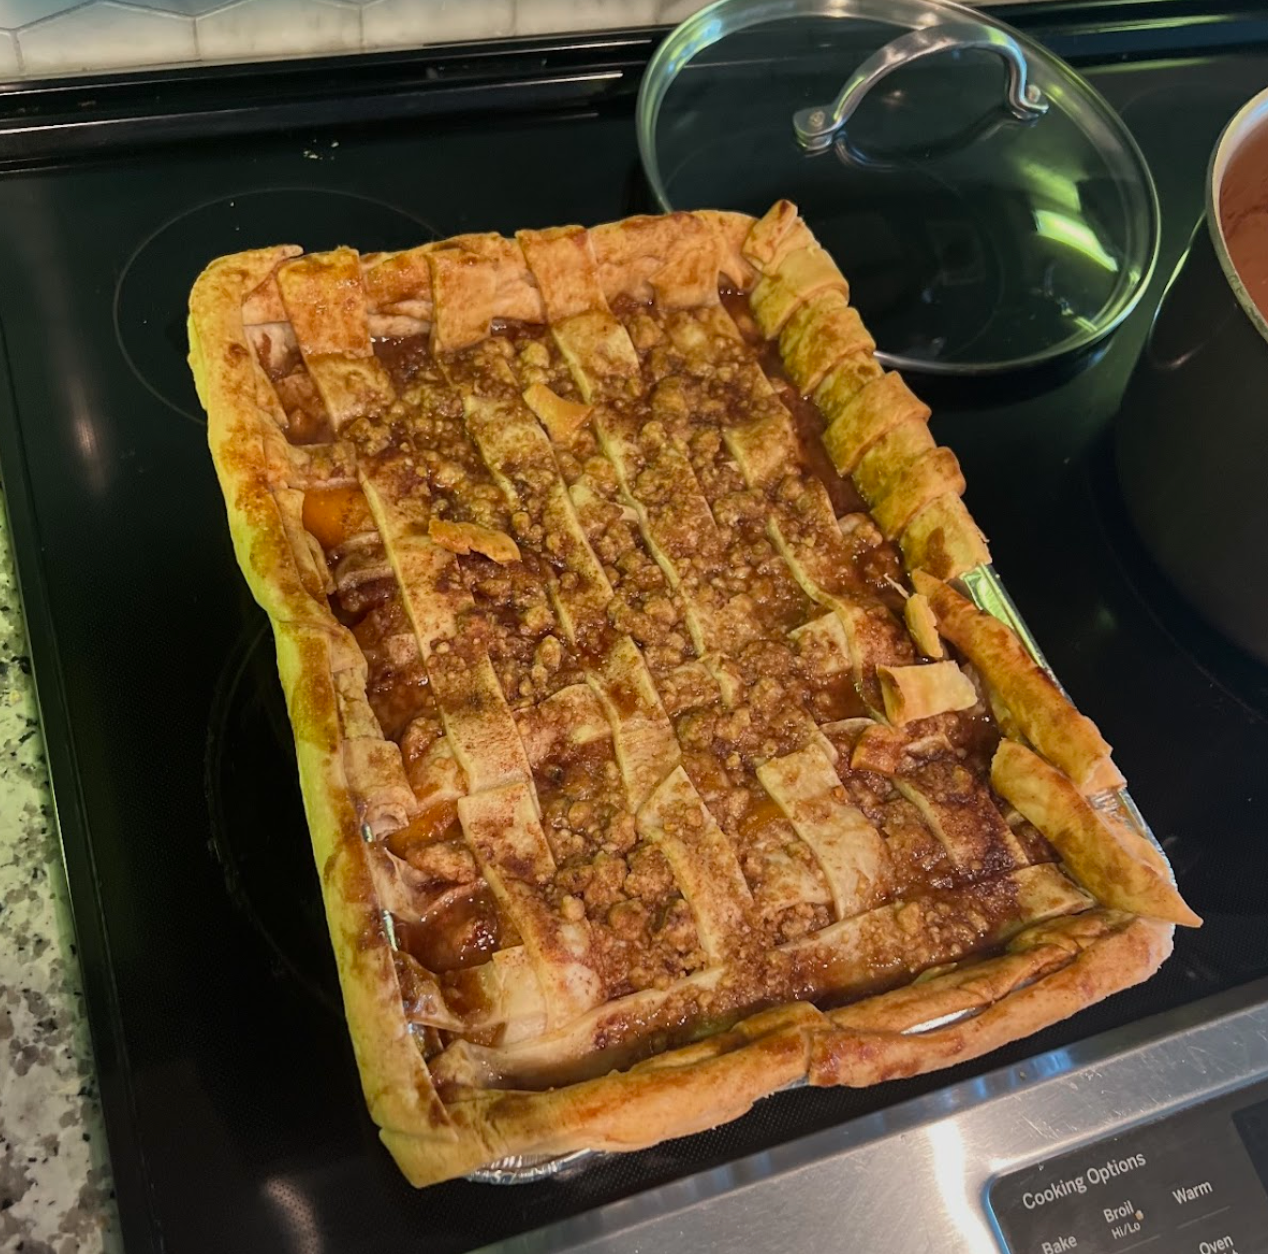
56, 1195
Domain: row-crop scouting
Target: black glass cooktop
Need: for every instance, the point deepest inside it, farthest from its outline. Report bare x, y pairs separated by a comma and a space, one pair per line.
232, 1102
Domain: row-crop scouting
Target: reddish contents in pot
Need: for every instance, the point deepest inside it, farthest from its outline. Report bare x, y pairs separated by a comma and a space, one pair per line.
1244, 214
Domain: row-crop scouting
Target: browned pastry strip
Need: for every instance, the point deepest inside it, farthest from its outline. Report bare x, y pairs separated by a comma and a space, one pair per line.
923, 625
800, 274
457, 271
962, 814
820, 335
943, 540
880, 406
372, 764
478, 722
851, 851
884, 465
325, 302
916, 692
595, 346
398, 283
227, 376
502, 828
704, 864
662, 1097
563, 265
644, 738
310, 561
875, 426
1048, 974
673, 260
397, 1083
730, 231
774, 235
515, 294
1120, 866
474, 279
845, 381
517, 451
1045, 715
933, 474
598, 350
426, 571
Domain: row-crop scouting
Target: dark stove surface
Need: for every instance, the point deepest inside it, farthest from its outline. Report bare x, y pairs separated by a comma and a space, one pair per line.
232, 1101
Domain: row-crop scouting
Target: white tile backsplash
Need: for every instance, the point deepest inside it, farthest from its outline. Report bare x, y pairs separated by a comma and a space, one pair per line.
190, 8
53, 37
545, 17
254, 29
15, 13
105, 36
411, 24
676, 11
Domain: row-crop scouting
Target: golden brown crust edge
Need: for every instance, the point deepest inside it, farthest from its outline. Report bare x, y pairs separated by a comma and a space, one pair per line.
679, 1092
874, 424
1049, 972
397, 1085
876, 434
1115, 863
674, 258
1047, 717
866, 1047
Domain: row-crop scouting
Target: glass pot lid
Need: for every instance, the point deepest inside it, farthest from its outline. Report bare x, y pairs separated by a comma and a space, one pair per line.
990, 210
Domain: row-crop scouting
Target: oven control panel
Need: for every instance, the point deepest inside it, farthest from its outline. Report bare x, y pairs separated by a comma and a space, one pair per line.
1195, 1182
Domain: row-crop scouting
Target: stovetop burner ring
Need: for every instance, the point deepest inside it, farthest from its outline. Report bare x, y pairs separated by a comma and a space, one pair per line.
259, 835
152, 293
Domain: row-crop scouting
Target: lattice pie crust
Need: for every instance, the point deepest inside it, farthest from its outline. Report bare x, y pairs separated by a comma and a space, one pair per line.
651, 756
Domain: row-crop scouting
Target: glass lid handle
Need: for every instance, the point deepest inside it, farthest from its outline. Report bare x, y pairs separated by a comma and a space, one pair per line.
817, 125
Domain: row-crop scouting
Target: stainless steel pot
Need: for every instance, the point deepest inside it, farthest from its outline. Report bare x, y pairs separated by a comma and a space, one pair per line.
1192, 435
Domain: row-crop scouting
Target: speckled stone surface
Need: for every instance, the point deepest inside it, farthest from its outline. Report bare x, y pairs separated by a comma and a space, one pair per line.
55, 1190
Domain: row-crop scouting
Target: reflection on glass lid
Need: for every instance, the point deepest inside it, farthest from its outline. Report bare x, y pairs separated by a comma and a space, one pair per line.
988, 207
